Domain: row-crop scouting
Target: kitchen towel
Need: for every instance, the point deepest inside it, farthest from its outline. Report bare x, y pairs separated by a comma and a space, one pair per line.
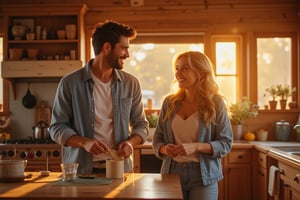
273, 181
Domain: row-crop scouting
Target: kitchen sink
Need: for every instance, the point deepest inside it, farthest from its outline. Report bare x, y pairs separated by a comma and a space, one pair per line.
296, 153
294, 149
289, 150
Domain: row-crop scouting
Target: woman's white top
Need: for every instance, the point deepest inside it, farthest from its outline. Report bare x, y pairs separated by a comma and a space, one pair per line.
186, 131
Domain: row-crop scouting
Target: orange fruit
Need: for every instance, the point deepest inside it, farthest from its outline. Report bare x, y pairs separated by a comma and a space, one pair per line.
249, 136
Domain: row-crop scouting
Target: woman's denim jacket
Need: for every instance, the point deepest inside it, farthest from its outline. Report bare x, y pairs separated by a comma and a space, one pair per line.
219, 135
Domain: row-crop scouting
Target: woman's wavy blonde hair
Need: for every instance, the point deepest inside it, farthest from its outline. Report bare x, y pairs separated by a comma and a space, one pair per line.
206, 86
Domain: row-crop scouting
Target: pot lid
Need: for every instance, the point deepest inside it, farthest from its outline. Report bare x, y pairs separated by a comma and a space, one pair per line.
41, 124
282, 123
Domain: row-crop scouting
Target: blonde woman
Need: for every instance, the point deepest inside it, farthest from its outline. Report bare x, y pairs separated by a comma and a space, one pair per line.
194, 131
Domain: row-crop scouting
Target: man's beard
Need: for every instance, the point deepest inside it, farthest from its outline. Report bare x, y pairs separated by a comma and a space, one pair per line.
113, 61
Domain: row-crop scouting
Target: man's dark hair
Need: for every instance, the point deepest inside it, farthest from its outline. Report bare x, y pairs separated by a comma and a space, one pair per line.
110, 31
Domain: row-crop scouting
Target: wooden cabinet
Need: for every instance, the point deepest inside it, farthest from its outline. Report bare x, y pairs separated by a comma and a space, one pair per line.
290, 182
45, 55
43, 22
261, 176
237, 174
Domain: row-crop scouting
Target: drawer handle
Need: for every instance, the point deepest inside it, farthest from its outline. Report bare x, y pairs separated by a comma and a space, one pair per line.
240, 156
297, 178
261, 173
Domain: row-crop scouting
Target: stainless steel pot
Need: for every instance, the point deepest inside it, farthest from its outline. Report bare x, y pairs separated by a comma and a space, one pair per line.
40, 130
282, 130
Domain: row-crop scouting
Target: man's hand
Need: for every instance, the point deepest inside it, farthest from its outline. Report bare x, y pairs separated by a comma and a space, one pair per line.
95, 147
125, 149
92, 146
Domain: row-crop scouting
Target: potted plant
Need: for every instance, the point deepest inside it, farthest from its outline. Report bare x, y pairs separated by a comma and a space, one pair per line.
284, 92
152, 119
272, 91
239, 112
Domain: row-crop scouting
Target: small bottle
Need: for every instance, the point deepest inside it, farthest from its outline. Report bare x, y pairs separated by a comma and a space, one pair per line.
44, 34
149, 103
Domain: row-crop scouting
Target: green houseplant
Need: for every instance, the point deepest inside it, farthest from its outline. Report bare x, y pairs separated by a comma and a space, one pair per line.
284, 92
152, 119
239, 112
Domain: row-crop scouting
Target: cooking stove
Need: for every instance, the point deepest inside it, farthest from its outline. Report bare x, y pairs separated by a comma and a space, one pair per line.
38, 153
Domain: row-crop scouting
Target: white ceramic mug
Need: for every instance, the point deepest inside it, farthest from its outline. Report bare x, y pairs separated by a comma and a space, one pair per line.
114, 168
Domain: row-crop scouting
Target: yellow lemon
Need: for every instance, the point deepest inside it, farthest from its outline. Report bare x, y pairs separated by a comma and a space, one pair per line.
249, 136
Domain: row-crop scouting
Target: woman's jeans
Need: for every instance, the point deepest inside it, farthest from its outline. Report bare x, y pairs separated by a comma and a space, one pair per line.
191, 182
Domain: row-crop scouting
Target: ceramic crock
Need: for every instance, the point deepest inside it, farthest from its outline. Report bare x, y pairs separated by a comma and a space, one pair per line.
12, 170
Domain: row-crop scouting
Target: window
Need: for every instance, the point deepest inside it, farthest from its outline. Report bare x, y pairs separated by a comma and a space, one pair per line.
4, 108
274, 64
1, 82
152, 64
226, 57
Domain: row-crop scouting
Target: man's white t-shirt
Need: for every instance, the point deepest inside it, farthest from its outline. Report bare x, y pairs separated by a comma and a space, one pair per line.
103, 114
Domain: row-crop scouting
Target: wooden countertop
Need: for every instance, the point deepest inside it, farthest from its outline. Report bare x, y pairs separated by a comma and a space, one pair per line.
134, 186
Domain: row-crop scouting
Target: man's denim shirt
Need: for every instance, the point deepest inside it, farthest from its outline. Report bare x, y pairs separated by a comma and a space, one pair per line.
73, 113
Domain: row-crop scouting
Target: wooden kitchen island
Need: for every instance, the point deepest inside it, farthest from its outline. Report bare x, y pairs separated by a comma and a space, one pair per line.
133, 186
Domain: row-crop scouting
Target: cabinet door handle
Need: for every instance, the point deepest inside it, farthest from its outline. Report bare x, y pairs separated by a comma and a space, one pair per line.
297, 178
261, 173
240, 156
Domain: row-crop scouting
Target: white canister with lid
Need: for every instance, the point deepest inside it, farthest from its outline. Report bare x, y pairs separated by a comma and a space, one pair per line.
262, 135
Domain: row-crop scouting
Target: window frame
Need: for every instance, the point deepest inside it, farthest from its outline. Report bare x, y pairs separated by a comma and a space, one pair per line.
240, 71
5, 90
294, 69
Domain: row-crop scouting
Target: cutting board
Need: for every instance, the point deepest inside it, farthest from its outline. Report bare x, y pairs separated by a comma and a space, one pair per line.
43, 113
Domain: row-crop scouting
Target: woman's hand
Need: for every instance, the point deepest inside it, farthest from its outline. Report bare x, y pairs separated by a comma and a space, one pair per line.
190, 148
185, 149
169, 150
